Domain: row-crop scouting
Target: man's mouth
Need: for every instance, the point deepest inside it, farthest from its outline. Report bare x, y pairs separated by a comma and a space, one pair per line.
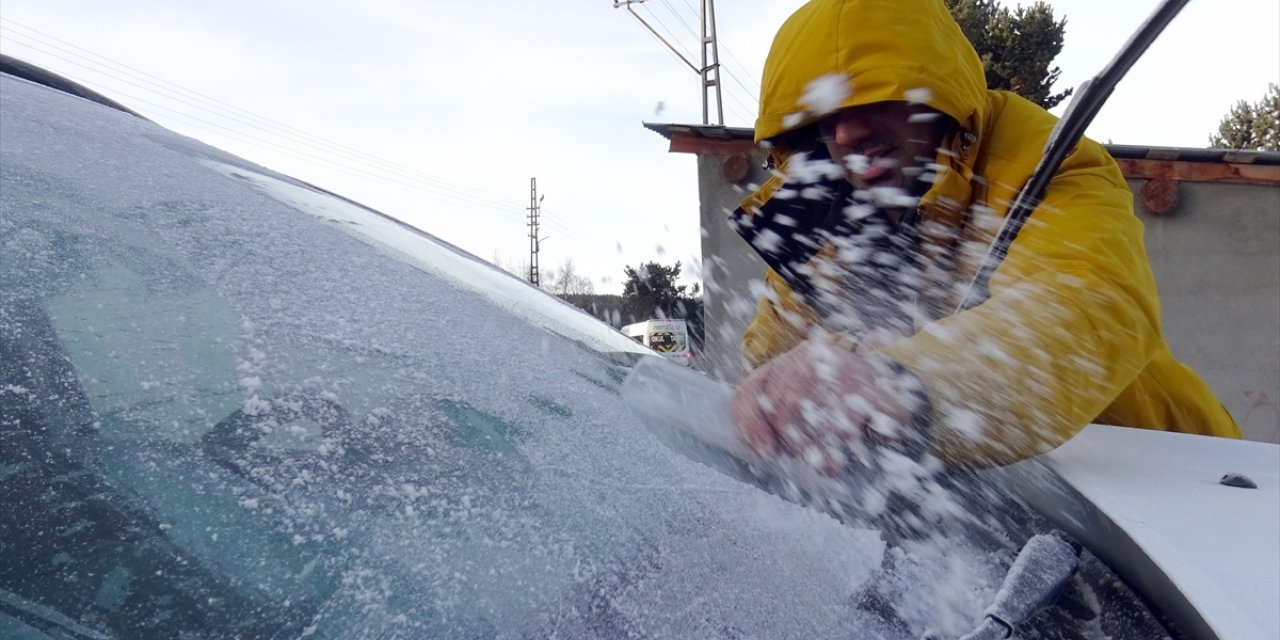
871, 167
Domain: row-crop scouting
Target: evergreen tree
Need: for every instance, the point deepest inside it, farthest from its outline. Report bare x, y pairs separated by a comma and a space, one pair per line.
1251, 126
650, 291
1016, 46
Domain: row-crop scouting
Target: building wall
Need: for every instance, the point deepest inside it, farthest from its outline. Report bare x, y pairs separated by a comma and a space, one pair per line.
729, 267
1217, 263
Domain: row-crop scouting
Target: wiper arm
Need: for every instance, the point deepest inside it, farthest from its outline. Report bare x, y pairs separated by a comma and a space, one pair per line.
1088, 101
1043, 567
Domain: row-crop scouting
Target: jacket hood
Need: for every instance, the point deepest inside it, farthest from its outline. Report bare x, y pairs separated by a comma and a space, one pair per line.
832, 54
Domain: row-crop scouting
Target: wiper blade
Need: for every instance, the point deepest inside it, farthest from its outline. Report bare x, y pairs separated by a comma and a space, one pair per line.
1088, 101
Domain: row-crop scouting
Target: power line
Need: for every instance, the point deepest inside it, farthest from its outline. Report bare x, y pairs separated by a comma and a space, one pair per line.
218, 129
679, 17
174, 92
742, 67
429, 185
454, 193
670, 33
204, 98
748, 110
732, 76
590, 241
593, 245
387, 172
725, 49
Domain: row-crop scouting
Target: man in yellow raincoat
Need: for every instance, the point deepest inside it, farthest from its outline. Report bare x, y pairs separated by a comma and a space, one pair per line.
894, 164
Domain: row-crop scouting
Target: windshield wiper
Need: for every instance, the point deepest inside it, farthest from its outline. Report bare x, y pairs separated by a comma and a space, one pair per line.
1043, 567
1062, 141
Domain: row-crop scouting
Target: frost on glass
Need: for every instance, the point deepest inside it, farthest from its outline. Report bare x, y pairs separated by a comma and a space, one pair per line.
237, 406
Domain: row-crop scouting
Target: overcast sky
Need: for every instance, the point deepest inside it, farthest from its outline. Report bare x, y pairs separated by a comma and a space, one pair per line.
439, 112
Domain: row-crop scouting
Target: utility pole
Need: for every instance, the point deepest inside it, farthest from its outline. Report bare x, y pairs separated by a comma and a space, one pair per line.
535, 207
709, 72
710, 64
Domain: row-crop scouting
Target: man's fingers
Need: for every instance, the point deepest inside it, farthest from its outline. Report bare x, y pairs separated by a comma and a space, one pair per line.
827, 408
750, 414
795, 439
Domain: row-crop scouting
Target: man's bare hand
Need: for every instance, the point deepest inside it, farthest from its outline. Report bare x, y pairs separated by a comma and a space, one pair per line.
823, 404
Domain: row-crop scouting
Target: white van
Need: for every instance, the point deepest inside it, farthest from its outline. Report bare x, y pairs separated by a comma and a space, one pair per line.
668, 337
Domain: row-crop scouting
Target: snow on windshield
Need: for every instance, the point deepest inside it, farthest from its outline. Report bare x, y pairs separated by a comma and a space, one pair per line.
310, 420
344, 441
431, 254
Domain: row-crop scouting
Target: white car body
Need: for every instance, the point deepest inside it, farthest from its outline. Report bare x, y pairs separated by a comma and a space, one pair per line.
1154, 507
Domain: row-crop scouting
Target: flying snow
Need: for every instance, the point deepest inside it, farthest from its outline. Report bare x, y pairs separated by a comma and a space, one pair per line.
919, 95
826, 93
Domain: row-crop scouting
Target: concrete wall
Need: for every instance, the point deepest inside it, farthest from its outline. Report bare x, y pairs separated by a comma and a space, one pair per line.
729, 265
1217, 263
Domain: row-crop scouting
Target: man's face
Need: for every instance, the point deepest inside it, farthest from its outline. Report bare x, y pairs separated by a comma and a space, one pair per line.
875, 142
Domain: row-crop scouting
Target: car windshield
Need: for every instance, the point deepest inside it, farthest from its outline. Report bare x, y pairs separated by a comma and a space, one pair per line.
235, 405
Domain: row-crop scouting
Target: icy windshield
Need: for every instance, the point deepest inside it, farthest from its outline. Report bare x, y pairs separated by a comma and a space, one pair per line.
237, 406
295, 426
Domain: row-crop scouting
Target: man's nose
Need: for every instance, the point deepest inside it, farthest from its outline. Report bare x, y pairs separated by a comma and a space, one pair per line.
848, 130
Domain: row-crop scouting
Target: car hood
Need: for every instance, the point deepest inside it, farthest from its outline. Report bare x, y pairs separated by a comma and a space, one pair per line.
1175, 514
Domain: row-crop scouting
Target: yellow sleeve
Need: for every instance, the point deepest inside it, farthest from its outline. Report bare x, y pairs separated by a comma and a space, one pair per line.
1073, 318
781, 322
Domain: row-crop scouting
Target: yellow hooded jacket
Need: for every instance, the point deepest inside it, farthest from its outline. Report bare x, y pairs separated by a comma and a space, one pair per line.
1071, 333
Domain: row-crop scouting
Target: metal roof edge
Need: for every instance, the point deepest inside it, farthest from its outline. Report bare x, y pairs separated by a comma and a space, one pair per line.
1117, 151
